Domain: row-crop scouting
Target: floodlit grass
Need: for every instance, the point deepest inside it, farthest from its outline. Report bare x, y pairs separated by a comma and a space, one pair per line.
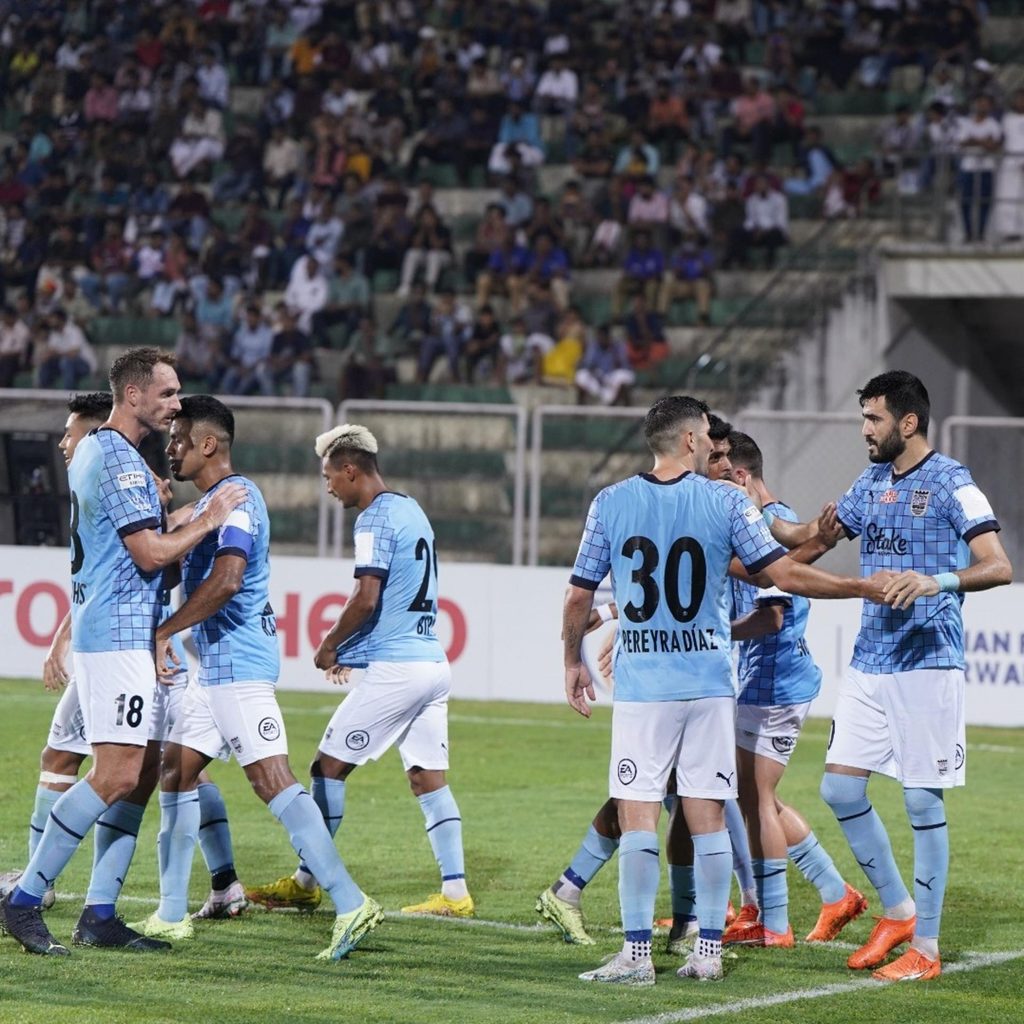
528, 778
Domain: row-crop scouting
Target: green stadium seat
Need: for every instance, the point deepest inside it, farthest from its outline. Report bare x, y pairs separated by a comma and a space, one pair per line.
449, 393
133, 330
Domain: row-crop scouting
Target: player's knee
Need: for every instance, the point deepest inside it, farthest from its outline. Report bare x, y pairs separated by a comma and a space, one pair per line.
924, 806
59, 762
843, 792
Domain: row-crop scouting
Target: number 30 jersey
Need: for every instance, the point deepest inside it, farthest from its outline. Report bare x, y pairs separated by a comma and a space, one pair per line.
115, 606
394, 541
668, 545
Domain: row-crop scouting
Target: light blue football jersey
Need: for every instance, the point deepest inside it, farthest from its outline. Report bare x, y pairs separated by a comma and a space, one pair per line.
922, 520
776, 669
115, 606
238, 643
668, 545
394, 541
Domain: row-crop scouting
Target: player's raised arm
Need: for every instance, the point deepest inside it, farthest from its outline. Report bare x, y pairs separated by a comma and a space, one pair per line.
151, 550
990, 567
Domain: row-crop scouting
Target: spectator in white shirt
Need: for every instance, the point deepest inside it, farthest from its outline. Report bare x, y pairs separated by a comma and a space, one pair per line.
558, 88
250, 349
14, 345
306, 293
282, 158
201, 139
337, 100
688, 211
67, 355
324, 236
648, 209
765, 226
979, 140
213, 80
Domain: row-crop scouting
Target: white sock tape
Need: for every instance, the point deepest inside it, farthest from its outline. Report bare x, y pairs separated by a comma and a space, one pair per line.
57, 780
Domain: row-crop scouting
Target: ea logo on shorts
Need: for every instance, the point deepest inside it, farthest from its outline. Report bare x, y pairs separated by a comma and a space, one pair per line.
959, 756
783, 744
357, 739
626, 771
269, 729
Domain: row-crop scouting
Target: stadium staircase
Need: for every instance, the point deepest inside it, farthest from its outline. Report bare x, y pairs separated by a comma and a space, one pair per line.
462, 471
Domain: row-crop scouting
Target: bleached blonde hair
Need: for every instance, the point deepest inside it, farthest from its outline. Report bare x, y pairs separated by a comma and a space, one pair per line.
348, 435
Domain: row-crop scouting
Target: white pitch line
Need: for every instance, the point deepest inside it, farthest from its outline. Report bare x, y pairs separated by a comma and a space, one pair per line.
971, 962
993, 748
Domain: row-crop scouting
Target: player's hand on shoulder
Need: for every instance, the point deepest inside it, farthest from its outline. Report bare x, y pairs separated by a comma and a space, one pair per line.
830, 529
905, 588
224, 502
578, 687
875, 584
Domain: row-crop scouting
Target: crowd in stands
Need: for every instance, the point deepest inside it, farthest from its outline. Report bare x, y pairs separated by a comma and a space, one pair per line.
258, 171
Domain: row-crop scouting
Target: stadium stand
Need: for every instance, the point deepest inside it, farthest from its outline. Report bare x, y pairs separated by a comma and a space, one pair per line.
303, 198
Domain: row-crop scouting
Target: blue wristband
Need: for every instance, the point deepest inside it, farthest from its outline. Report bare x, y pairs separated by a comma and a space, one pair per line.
768, 517
949, 582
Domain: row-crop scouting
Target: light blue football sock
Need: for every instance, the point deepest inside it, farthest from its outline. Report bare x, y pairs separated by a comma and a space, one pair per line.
45, 799
329, 796
176, 846
639, 875
772, 893
595, 851
70, 819
302, 819
741, 864
113, 848
684, 894
444, 830
864, 831
214, 830
713, 875
814, 863
927, 815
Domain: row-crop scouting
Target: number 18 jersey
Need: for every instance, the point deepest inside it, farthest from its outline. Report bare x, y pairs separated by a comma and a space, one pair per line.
394, 541
668, 545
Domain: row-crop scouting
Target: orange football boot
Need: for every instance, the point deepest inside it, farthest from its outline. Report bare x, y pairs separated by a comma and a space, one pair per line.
884, 938
913, 965
758, 935
735, 934
834, 917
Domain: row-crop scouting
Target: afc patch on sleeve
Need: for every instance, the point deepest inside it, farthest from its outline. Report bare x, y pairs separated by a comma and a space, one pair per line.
131, 479
364, 547
973, 502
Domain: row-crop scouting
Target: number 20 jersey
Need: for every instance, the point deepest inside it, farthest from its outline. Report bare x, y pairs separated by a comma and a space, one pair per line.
668, 545
115, 606
394, 541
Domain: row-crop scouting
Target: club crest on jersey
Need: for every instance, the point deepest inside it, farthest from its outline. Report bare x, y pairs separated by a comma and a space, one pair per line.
919, 502
890, 497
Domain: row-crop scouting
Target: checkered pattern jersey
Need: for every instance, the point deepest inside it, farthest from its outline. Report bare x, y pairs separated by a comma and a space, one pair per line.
115, 605
238, 643
923, 520
776, 669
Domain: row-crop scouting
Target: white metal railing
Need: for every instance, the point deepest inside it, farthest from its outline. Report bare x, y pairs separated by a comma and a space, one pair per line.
516, 412
310, 405
537, 450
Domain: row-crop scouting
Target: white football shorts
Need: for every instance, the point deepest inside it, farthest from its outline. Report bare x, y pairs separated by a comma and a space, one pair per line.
907, 725
233, 718
67, 727
403, 702
770, 731
116, 690
694, 738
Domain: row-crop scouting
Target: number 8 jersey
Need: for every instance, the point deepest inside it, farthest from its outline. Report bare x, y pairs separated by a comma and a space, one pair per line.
668, 545
394, 541
115, 606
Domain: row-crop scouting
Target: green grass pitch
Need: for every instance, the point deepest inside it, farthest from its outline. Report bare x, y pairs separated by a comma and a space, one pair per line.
527, 778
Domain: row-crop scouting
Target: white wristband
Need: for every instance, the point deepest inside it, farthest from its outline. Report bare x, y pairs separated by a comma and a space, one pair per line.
604, 612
